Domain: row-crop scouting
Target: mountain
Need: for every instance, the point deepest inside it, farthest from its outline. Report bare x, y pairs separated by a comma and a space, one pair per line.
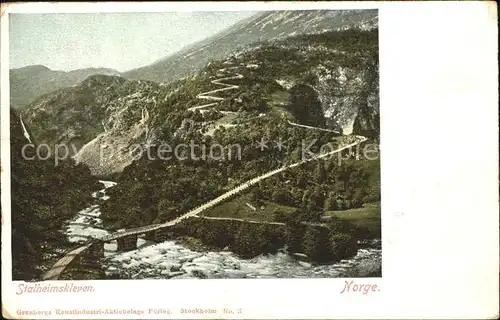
29, 82
76, 115
175, 145
261, 27
326, 79
294, 91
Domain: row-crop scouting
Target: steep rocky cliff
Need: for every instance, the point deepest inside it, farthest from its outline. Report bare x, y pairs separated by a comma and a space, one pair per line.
350, 97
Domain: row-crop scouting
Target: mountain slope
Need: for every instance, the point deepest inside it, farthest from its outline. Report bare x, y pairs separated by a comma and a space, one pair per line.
327, 79
100, 112
29, 82
257, 94
262, 27
43, 196
75, 115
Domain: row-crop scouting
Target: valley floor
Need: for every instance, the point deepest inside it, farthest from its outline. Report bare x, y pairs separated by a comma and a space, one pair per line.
368, 217
178, 260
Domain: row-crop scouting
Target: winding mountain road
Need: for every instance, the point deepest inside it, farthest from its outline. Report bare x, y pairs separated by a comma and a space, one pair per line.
208, 95
312, 128
55, 272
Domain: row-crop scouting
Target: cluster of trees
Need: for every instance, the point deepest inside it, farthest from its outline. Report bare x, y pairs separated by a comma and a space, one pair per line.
174, 186
164, 192
321, 243
43, 197
323, 185
245, 239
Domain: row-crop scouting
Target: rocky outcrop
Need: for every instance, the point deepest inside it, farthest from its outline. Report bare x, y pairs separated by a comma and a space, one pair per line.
98, 120
350, 99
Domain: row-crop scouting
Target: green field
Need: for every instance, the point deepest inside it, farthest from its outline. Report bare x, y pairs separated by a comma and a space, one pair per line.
238, 208
366, 218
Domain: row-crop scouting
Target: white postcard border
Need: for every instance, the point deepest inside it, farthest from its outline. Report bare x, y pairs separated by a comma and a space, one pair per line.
438, 80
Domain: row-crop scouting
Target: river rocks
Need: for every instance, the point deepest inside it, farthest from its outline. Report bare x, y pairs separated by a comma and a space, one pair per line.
299, 256
176, 268
163, 250
198, 274
175, 274
169, 260
195, 271
164, 266
188, 258
266, 272
236, 266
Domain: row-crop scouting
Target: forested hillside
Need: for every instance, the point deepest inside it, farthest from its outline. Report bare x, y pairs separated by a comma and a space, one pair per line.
43, 197
221, 147
281, 81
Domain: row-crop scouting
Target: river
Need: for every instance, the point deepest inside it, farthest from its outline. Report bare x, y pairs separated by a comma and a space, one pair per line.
169, 260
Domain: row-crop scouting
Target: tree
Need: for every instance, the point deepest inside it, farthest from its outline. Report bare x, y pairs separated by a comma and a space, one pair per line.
280, 196
306, 198
294, 235
249, 241
216, 234
317, 245
301, 181
331, 202
343, 246
316, 200
256, 196
320, 173
358, 197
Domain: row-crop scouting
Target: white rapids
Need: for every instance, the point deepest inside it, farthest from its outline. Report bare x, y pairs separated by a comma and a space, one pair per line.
169, 260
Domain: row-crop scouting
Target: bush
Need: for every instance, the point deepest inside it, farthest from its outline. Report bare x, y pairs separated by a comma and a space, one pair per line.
344, 246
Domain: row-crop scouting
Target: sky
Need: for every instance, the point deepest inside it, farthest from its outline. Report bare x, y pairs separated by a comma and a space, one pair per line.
120, 41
